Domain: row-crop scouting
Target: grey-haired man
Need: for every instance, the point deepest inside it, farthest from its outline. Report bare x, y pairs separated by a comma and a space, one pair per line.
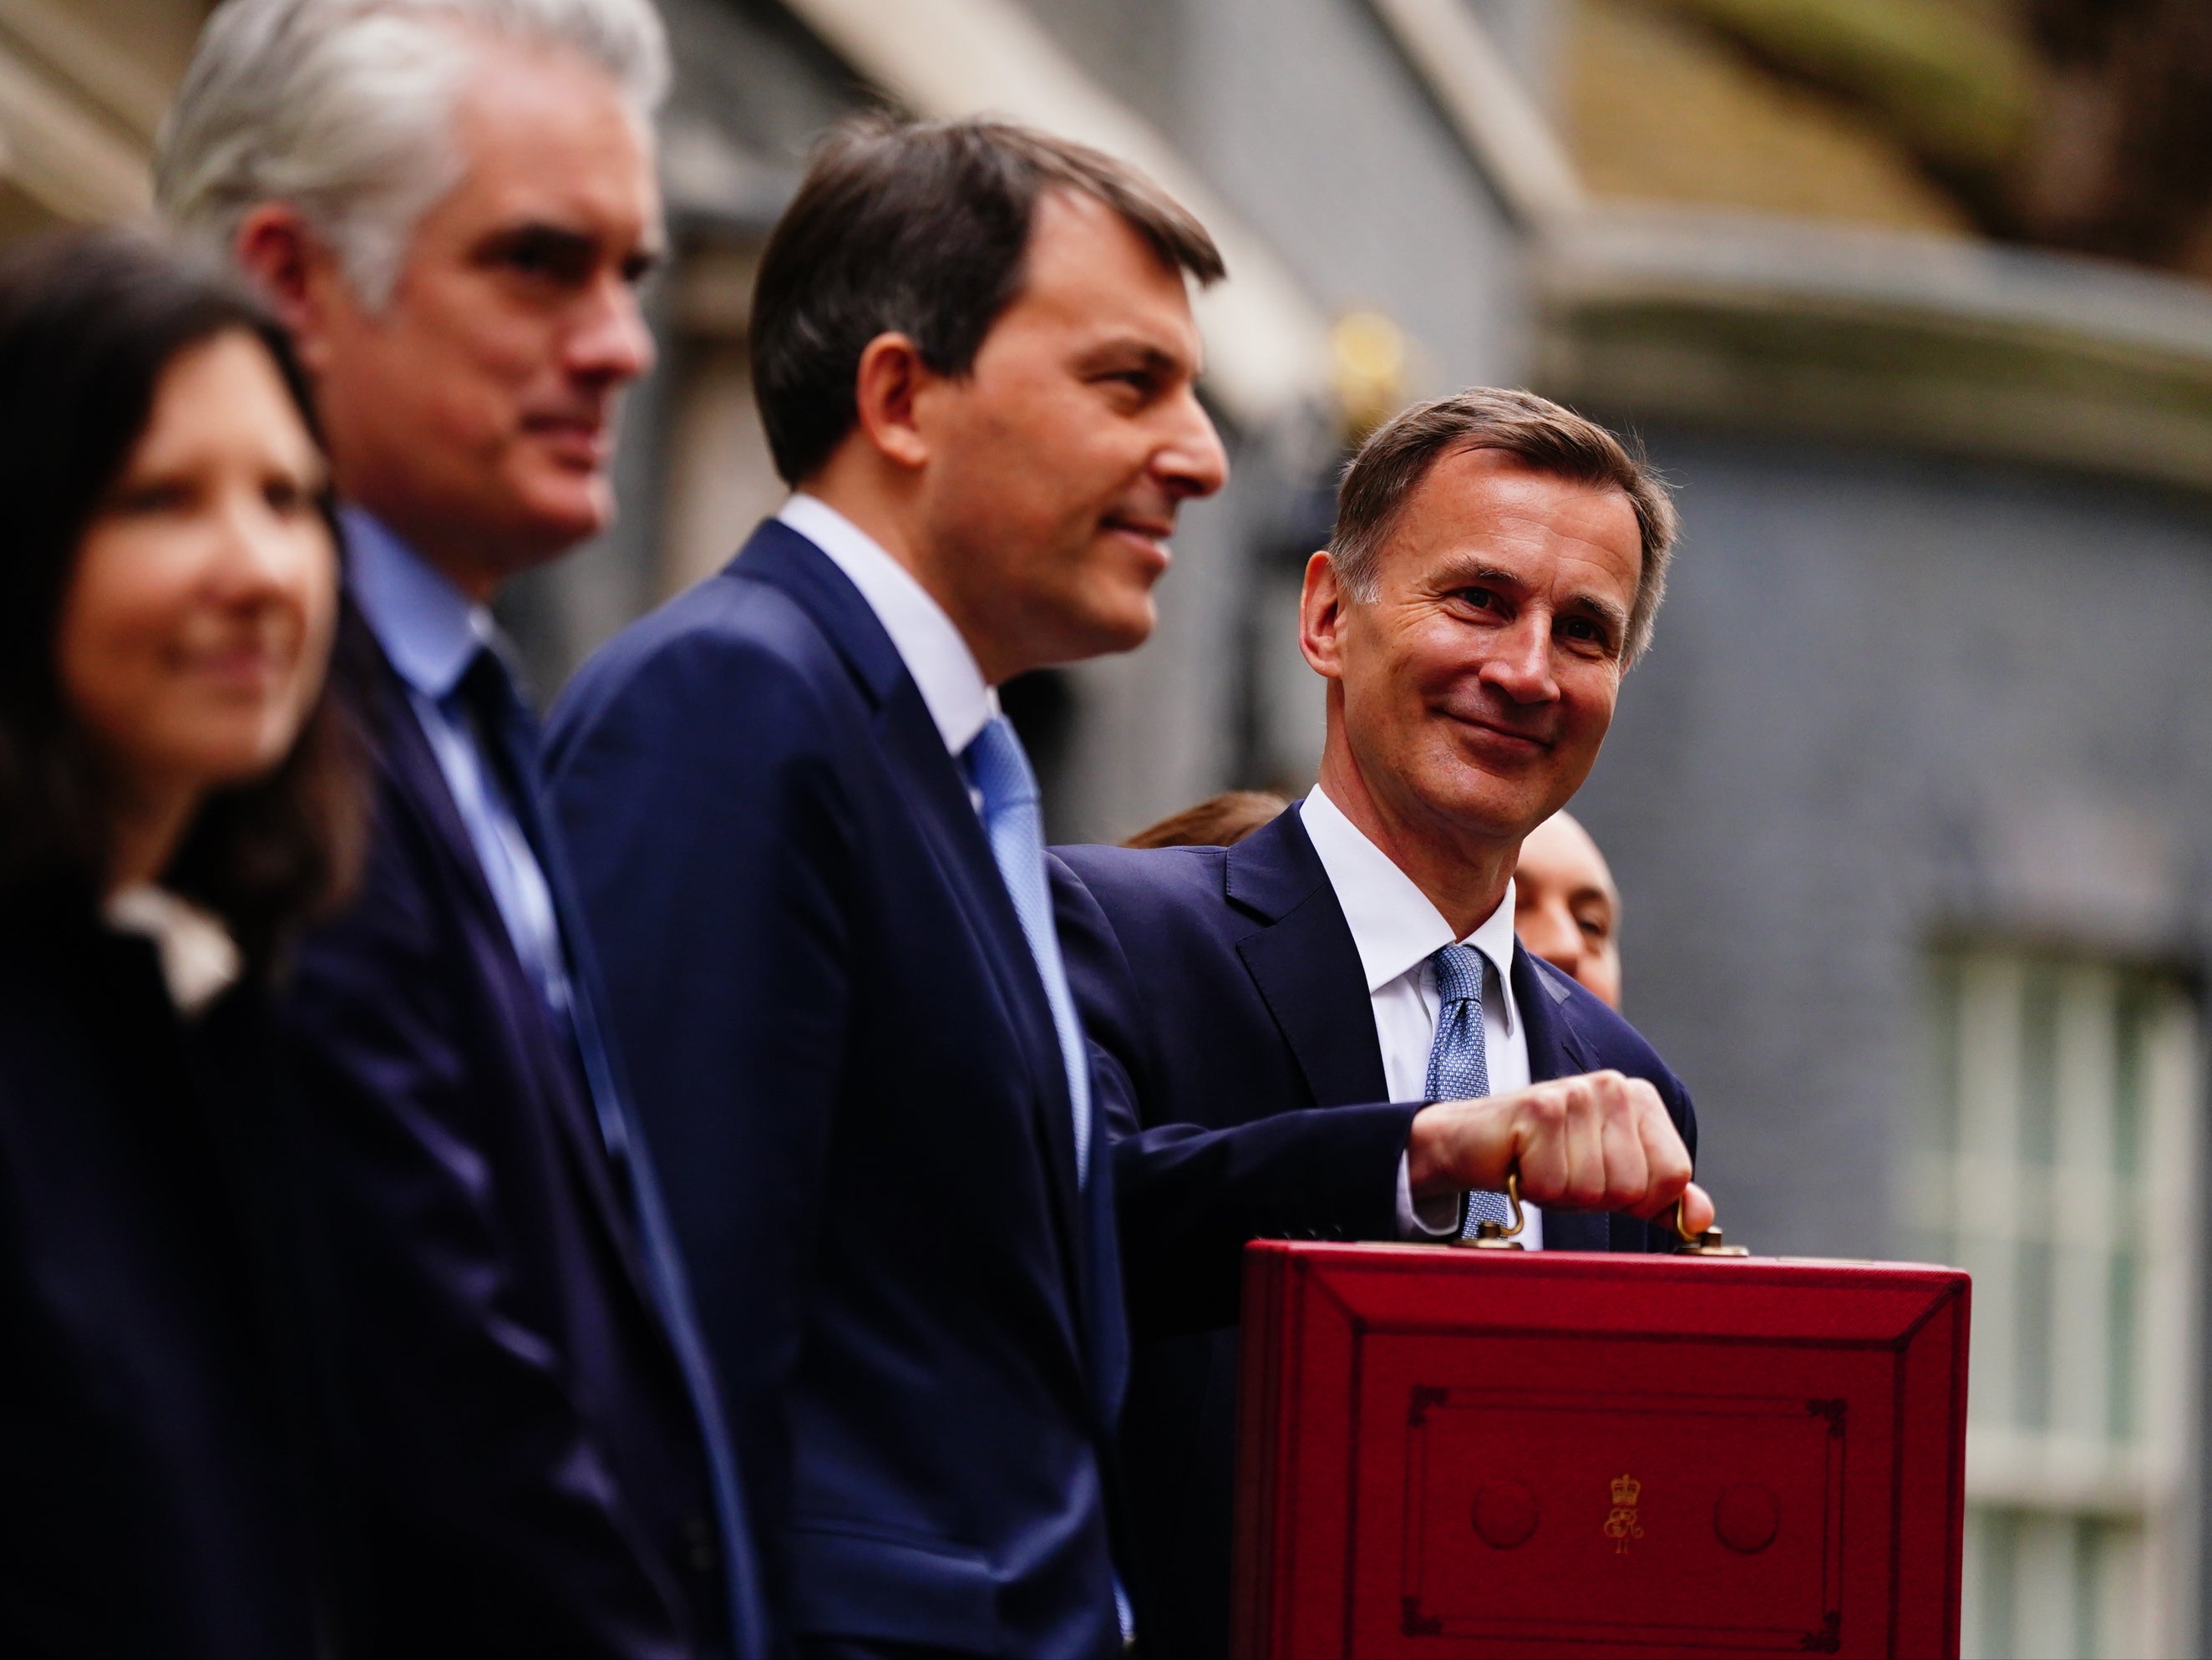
450, 202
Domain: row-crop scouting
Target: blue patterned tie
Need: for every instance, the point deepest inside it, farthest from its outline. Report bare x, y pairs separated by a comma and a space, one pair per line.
1013, 820
1459, 1063
511, 730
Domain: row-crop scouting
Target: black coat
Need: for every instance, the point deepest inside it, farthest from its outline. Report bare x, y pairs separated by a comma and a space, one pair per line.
151, 1506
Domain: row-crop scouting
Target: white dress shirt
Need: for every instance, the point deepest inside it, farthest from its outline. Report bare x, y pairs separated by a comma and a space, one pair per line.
946, 671
1396, 931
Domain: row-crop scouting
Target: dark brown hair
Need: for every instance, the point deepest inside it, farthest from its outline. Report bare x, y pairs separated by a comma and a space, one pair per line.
89, 322
1220, 821
1534, 431
918, 227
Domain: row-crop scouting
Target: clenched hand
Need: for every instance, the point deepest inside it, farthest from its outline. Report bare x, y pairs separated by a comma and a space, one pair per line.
1601, 1141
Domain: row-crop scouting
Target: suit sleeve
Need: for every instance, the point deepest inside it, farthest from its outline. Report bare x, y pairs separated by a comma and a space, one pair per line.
1189, 1198
712, 846
453, 1417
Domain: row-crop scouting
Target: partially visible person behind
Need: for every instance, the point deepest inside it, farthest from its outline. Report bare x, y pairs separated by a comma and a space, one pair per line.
1565, 907
451, 204
175, 798
1220, 821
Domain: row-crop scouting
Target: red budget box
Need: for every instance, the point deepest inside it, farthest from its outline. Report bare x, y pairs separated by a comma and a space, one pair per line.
1449, 1452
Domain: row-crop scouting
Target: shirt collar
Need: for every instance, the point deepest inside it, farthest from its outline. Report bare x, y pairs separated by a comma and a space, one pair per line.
1394, 925
426, 625
943, 667
200, 958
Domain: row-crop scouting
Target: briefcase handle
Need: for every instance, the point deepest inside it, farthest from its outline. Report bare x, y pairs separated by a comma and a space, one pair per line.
1500, 1236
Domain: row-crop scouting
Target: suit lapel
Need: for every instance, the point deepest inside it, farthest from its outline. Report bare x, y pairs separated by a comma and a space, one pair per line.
963, 855
953, 836
1305, 963
1556, 1048
419, 785
779, 556
404, 756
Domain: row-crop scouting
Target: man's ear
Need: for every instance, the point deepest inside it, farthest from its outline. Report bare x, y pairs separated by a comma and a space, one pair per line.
885, 387
293, 270
1321, 616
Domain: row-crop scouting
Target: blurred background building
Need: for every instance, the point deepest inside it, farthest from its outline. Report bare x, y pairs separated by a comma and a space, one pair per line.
1911, 804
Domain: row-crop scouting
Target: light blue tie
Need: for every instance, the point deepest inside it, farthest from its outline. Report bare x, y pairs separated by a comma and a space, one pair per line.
1013, 820
1459, 1062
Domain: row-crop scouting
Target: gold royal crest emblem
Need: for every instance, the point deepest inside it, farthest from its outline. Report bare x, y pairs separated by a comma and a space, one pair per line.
1622, 1526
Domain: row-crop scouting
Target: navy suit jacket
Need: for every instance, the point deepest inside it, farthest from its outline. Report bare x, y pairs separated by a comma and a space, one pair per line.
841, 1047
515, 1464
152, 1509
1234, 1041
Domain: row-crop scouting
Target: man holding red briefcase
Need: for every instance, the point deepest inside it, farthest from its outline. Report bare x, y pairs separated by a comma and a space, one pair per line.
1329, 1031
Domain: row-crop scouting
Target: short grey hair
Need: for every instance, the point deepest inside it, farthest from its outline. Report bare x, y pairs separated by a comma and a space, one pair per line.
1542, 436
344, 108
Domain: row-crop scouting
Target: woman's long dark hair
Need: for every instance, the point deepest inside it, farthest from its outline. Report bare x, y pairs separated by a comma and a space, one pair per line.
89, 321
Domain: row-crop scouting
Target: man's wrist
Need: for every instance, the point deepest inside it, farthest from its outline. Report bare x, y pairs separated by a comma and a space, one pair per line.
1455, 1145
1432, 1153
1422, 1162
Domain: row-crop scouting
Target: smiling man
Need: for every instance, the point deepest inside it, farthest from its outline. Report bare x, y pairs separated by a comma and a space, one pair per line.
1328, 1031
450, 203
811, 845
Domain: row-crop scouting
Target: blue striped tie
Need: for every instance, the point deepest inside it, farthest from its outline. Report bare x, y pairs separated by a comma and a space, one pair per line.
1459, 1061
1013, 821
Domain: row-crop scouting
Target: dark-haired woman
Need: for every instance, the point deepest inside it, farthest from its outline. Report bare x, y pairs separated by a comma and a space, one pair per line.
174, 793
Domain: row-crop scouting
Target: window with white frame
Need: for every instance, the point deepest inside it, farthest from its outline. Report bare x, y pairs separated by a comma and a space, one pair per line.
2056, 1162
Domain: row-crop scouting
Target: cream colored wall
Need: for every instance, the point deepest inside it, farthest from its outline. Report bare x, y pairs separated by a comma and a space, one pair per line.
719, 479
83, 86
